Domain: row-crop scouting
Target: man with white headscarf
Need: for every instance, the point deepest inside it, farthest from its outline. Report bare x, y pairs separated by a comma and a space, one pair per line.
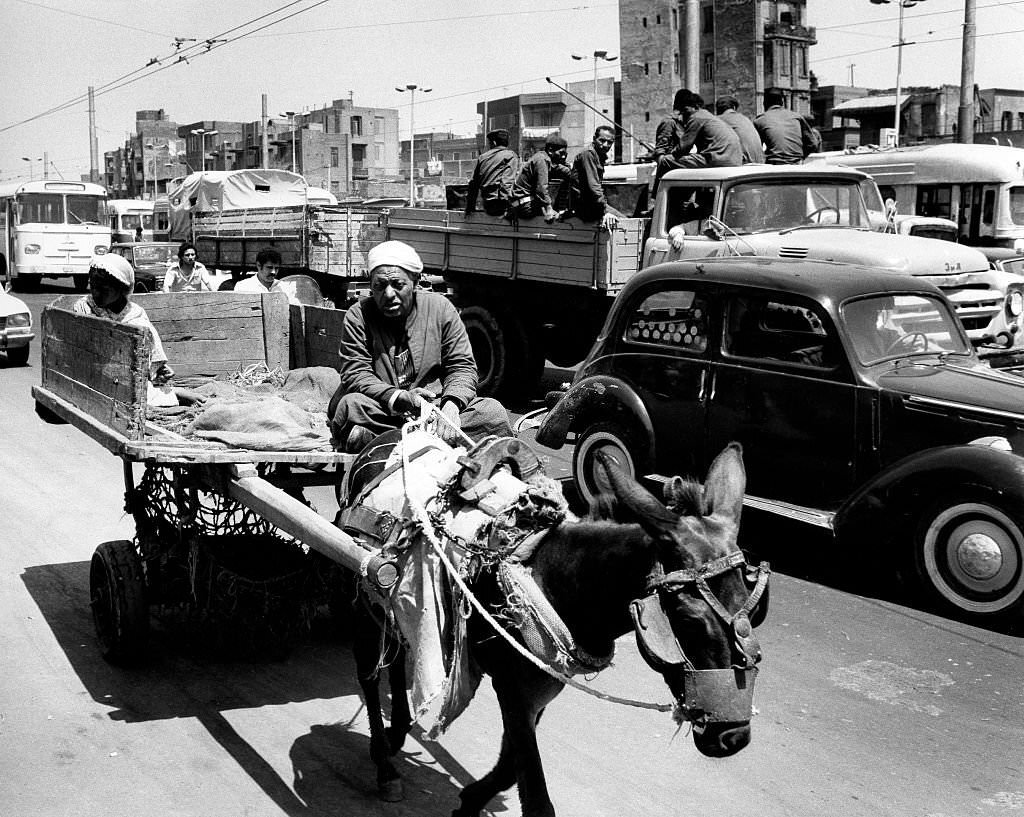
111, 280
400, 346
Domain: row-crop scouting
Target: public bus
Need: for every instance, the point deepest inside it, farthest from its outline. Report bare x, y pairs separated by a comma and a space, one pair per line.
979, 187
50, 229
127, 216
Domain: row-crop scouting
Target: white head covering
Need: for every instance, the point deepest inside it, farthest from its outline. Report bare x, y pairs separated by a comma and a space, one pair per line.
116, 266
395, 254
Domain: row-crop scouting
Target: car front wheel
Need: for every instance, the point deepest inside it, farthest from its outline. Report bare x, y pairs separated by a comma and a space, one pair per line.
616, 441
969, 556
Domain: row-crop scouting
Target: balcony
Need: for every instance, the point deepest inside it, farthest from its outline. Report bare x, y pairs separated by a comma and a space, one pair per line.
787, 31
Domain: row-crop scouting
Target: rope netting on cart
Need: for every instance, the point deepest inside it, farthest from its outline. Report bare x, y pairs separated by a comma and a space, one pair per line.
230, 577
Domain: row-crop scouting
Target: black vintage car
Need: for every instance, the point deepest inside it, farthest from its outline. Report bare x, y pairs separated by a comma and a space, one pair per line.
150, 260
859, 400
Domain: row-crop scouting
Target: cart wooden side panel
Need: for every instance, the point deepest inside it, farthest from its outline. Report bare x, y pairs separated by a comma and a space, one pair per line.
315, 336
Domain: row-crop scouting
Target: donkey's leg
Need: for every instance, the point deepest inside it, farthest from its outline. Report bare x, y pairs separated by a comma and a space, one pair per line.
522, 697
401, 718
367, 649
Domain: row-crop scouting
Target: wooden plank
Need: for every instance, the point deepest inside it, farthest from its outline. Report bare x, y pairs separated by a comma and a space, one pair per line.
118, 416
297, 336
101, 433
276, 329
323, 336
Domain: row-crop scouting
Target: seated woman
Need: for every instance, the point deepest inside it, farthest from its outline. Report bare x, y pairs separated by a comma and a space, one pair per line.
111, 280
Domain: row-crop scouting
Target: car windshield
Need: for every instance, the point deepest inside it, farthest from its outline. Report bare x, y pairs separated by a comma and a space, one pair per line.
767, 206
154, 255
1015, 265
891, 327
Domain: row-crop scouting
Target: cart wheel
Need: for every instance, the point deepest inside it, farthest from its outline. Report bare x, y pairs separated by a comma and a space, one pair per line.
118, 599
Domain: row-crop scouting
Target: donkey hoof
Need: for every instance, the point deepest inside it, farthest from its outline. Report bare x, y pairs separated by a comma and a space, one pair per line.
392, 791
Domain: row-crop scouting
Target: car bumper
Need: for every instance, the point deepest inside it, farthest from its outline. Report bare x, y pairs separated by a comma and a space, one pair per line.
15, 340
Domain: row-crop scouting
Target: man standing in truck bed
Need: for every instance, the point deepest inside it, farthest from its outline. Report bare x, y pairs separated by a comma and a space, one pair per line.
493, 175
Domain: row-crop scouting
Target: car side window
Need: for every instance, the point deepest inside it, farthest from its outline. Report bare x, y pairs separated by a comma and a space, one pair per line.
764, 328
688, 206
675, 318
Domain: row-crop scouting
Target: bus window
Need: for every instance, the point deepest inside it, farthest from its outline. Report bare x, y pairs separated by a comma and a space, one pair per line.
129, 221
988, 208
41, 208
1017, 205
934, 201
147, 221
85, 210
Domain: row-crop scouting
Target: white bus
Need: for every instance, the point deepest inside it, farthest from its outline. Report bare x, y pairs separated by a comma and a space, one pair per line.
128, 217
979, 187
50, 229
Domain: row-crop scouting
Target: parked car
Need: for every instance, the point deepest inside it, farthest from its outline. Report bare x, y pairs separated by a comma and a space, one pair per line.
1005, 259
860, 402
149, 259
15, 327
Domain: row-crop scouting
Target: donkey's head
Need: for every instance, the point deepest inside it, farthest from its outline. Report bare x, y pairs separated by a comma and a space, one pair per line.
695, 626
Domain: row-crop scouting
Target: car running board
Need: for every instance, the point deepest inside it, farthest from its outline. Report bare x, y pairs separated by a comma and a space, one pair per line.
808, 516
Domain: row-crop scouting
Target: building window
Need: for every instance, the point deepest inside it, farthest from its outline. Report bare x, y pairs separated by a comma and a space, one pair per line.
657, 19
800, 58
1020, 121
647, 116
378, 126
378, 152
1007, 120
644, 22
707, 14
675, 19
675, 63
659, 66
708, 74
334, 157
783, 49
647, 69
356, 123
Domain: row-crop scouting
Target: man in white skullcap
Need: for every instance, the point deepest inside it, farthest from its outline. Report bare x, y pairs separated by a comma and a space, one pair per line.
402, 345
111, 280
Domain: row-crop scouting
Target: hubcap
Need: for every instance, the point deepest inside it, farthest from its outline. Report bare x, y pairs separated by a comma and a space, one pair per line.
979, 556
592, 481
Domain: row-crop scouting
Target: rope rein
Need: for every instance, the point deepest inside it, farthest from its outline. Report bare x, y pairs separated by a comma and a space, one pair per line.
421, 515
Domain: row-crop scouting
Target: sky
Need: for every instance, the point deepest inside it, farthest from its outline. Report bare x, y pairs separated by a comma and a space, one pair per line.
305, 53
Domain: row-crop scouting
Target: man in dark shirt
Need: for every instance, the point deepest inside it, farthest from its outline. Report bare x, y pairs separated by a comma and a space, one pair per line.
788, 137
728, 110
588, 199
717, 145
530, 194
493, 174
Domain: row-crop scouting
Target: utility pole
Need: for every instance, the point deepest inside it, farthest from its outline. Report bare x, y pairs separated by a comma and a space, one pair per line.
692, 74
264, 139
965, 113
94, 174
46, 164
852, 66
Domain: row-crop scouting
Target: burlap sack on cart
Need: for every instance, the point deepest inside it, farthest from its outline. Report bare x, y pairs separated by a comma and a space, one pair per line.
268, 424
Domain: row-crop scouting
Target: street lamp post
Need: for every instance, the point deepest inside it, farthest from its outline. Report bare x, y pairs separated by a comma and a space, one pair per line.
598, 55
291, 122
202, 133
903, 4
412, 136
152, 162
30, 165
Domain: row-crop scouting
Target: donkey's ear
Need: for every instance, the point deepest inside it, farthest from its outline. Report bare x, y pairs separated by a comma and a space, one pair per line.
726, 482
635, 501
673, 492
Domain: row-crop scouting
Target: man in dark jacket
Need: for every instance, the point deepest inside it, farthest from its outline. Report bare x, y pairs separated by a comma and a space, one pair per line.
588, 199
717, 145
530, 194
728, 110
788, 137
493, 175
402, 346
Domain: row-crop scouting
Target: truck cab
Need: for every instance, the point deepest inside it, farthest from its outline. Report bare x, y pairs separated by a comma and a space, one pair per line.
820, 213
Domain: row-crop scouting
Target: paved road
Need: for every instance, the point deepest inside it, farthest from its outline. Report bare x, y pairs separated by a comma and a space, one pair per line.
867, 707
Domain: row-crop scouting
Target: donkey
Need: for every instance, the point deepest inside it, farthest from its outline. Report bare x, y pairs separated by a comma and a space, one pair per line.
674, 573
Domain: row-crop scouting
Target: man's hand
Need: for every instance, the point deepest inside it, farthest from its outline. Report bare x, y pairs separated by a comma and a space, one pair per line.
408, 402
449, 431
162, 374
676, 237
550, 215
609, 222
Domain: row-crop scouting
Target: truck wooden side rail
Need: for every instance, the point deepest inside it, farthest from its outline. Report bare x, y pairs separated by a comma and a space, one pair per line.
528, 291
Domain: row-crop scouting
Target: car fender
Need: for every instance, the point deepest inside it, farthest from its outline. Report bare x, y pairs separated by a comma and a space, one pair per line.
891, 501
599, 397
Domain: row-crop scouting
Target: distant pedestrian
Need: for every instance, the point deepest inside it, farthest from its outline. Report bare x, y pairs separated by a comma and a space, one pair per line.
727, 108
531, 195
713, 142
588, 199
138, 234
187, 274
493, 175
788, 137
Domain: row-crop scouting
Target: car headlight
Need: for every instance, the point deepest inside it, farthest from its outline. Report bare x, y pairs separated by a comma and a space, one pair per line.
31, 249
100, 249
1015, 303
21, 319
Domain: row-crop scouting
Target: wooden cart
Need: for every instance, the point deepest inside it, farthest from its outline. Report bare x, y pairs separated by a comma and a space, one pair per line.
193, 496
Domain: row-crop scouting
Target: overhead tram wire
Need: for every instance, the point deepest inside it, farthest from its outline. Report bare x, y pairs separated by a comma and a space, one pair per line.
200, 48
923, 42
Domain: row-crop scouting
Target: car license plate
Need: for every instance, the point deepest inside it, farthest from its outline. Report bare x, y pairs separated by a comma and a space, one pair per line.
69, 270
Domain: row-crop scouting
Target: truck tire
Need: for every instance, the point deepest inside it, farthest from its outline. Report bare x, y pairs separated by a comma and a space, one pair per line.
509, 365
117, 592
27, 283
969, 558
18, 356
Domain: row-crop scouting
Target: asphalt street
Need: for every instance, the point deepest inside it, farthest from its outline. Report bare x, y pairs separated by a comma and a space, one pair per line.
866, 705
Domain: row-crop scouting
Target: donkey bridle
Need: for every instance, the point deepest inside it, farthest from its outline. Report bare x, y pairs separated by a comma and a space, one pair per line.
709, 695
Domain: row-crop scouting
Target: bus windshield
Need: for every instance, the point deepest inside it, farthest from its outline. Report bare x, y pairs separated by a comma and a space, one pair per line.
1017, 205
49, 208
85, 209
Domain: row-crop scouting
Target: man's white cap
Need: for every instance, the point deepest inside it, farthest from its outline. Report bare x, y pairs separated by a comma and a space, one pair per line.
116, 266
395, 254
